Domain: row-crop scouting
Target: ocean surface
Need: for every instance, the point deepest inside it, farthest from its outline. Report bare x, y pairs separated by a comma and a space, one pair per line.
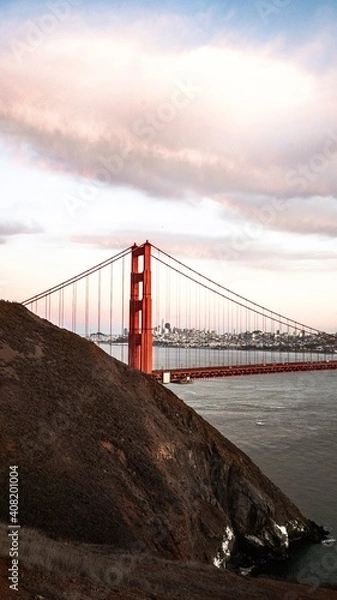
287, 424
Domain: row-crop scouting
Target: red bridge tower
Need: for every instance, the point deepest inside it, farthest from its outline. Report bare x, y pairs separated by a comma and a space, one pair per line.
140, 326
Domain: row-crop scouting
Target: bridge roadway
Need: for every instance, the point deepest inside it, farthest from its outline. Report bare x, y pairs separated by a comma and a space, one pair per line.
184, 375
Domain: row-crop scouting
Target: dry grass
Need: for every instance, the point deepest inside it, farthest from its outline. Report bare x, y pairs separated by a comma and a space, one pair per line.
68, 560
99, 566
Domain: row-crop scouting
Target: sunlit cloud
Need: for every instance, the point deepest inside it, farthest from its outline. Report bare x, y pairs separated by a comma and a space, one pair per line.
177, 123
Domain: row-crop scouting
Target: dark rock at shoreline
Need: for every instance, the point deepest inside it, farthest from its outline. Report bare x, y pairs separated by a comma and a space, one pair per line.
108, 456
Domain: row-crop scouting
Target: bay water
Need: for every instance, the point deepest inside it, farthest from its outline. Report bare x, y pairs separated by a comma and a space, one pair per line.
287, 424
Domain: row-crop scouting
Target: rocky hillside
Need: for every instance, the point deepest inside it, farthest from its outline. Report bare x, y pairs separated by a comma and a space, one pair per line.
108, 456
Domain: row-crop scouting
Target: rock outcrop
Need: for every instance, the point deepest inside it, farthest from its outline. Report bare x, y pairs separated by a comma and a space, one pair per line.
108, 456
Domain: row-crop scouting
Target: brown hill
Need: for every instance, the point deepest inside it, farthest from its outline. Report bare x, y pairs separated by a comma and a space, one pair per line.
107, 456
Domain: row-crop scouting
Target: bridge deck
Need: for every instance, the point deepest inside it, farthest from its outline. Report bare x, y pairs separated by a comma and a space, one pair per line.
177, 375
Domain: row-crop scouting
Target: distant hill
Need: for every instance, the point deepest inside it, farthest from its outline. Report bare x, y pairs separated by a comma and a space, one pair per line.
108, 456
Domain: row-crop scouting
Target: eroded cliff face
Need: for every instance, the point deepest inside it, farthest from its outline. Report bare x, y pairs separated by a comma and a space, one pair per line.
108, 456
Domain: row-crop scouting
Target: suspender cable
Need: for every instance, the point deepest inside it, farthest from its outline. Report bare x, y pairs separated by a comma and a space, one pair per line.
87, 333
74, 308
99, 291
62, 307
166, 316
59, 299
123, 306
111, 304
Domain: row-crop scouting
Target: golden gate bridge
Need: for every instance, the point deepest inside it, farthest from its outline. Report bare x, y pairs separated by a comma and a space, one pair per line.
178, 324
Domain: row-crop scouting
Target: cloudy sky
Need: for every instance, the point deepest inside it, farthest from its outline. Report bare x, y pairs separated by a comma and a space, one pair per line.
208, 128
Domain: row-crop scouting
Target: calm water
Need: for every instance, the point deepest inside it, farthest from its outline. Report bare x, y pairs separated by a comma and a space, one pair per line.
295, 444
171, 358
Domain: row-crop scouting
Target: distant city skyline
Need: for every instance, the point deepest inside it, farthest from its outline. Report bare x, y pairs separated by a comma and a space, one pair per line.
208, 128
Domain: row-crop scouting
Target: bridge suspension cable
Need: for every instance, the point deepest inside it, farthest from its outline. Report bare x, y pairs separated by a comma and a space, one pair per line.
250, 305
